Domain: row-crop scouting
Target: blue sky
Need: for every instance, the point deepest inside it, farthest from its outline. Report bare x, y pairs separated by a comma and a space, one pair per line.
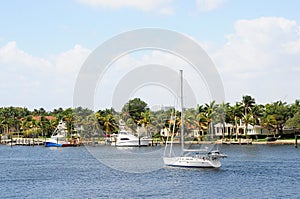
254, 44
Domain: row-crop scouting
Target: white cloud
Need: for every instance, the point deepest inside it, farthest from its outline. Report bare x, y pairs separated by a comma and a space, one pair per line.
160, 6
259, 44
292, 47
261, 57
44, 82
13, 57
71, 60
209, 5
126, 64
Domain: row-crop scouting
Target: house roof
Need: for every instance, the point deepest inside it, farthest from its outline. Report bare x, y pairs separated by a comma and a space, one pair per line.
38, 118
221, 125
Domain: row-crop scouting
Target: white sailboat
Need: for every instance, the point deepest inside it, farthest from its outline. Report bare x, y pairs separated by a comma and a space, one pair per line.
199, 158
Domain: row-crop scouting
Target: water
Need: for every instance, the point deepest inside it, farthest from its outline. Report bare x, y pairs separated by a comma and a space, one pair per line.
254, 171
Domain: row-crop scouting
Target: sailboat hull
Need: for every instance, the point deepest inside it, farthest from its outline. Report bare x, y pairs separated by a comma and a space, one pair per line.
191, 162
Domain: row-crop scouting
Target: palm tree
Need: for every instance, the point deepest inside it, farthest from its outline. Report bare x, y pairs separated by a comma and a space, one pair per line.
190, 119
25, 125
109, 123
175, 122
92, 125
131, 123
4, 125
281, 113
270, 123
202, 122
248, 119
43, 125
69, 121
248, 102
207, 115
294, 108
29, 126
257, 111
158, 120
34, 126
294, 122
53, 124
106, 121
2, 119
235, 113
222, 115
145, 120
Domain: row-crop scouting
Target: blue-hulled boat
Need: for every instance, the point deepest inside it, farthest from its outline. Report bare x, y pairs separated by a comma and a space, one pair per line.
59, 137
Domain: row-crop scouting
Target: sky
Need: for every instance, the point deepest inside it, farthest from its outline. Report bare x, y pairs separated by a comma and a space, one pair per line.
255, 46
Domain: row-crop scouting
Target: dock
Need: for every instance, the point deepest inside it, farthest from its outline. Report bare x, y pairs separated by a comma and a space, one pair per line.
23, 142
239, 141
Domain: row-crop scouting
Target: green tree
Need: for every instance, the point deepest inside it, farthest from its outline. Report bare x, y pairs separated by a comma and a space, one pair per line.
294, 122
91, 125
270, 123
223, 115
280, 111
202, 122
210, 115
29, 126
248, 119
294, 108
107, 120
248, 103
68, 116
257, 112
134, 108
235, 113
145, 118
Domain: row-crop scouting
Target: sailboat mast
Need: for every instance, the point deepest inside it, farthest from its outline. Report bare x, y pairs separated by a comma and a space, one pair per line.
181, 106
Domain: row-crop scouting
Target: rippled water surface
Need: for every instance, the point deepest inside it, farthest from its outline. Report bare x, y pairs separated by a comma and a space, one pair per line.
254, 171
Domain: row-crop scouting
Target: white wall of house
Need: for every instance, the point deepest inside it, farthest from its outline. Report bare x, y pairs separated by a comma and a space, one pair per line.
165, 132
198, 133
241, 129
226, 129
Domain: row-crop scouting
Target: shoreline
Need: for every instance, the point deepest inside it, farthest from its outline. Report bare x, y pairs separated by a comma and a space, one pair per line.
249, 142
30, 142
277, 142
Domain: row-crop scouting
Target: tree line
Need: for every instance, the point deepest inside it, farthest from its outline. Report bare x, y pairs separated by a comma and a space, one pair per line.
22, 122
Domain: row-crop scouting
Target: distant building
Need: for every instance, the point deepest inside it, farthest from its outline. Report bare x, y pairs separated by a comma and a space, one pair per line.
161, 108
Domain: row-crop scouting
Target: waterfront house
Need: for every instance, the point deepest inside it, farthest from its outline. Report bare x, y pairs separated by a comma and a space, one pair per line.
224, 129
231, 130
